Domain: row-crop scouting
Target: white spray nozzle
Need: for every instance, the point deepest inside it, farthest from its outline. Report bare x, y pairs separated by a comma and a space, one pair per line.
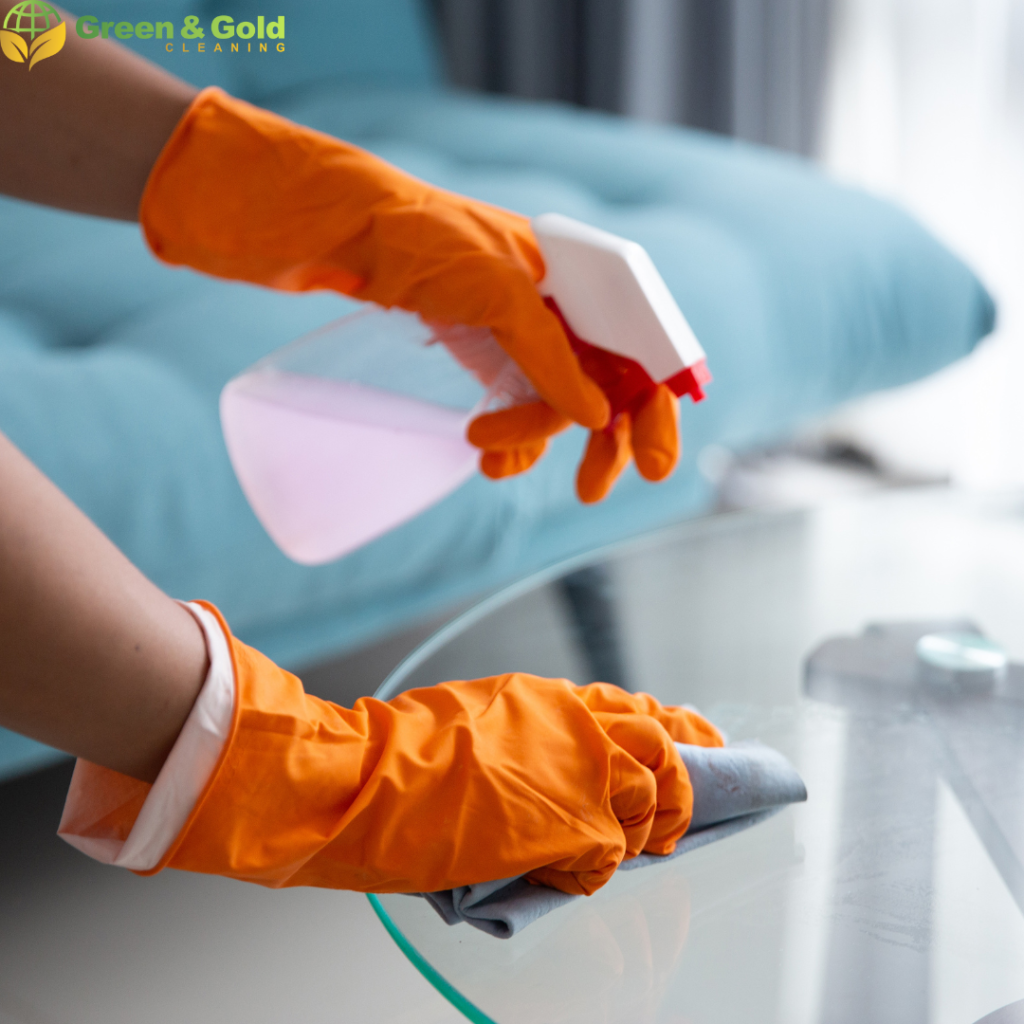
612, 296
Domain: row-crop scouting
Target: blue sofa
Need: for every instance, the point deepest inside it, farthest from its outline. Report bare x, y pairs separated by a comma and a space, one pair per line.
803, 293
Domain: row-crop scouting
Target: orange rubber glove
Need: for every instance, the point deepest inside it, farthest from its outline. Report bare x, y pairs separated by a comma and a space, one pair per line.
241, 193
643, 425
513, 439
440, 787
245, 194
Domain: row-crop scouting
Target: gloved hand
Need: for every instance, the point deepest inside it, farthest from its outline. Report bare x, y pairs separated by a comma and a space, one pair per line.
245, 194
445, 786
643, 424
514, 439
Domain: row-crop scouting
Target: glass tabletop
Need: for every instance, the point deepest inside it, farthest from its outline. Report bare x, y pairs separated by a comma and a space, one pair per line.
896, 892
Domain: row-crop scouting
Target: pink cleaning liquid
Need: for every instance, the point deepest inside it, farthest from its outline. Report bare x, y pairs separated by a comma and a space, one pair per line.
328, 465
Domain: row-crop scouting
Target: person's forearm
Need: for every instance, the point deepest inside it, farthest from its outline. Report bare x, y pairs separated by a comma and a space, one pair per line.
95, 660
83, 129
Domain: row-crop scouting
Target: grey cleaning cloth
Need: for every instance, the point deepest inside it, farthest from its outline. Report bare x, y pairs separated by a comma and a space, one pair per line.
733, 788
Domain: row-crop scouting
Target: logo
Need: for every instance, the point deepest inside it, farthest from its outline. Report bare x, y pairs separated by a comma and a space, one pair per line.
32, 32
244, 37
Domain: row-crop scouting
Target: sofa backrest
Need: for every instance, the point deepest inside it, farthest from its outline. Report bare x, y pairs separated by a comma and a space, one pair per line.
354, 42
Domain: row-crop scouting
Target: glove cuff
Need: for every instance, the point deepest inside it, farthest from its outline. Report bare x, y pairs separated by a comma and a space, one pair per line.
122, 821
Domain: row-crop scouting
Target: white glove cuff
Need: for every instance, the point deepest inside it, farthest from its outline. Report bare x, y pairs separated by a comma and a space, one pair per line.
96, 793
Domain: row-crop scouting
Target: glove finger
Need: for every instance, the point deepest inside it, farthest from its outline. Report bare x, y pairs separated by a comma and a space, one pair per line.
531, 334
656, 435
501, 462
682, 724
644, 739
526, 424
607, 455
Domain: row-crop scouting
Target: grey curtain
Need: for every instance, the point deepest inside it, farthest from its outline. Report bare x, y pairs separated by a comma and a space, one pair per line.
751, 68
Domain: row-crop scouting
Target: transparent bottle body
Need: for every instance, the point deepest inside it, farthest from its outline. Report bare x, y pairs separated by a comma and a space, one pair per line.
356, 428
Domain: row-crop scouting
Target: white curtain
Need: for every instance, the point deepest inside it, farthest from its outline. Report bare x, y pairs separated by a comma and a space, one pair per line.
925, 105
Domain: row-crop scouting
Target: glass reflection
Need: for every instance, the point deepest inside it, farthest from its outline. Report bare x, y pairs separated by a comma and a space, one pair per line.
926, 917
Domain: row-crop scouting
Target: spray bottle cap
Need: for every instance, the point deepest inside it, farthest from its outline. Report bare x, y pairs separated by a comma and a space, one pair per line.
608, 293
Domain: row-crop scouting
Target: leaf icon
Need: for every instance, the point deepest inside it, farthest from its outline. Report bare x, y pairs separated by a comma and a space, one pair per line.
14, 46
47, 44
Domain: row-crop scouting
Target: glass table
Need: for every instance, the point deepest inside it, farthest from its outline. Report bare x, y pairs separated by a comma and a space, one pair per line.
896, 892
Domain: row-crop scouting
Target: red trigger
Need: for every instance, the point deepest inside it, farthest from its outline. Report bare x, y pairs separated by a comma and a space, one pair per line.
627, 385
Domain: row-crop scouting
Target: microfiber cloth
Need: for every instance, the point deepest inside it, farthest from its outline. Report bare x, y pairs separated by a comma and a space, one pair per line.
734, 787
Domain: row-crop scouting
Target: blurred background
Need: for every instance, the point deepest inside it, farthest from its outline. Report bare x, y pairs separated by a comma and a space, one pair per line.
919, 101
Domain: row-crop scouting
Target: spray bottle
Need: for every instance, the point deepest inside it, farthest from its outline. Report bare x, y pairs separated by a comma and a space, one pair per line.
334, 443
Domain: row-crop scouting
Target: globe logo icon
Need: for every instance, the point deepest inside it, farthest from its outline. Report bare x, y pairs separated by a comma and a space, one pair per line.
32, 32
